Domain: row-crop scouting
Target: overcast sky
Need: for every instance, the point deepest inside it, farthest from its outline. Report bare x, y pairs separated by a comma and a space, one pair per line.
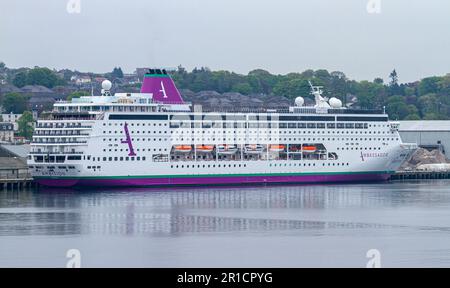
281, 36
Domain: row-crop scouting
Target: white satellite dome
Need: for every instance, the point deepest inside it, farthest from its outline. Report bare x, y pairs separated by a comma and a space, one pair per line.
335, 103
106, 85
299, 101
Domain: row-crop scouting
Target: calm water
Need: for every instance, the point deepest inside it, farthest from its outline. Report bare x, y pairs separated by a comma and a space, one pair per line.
289, 226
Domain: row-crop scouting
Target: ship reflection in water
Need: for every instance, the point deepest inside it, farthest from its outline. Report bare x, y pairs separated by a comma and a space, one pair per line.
282, 226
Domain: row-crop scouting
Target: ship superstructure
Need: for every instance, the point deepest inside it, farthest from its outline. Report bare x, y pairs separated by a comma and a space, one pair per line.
154, 138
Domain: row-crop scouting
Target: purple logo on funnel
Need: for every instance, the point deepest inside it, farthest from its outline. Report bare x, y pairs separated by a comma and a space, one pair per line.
162, 87
128, 140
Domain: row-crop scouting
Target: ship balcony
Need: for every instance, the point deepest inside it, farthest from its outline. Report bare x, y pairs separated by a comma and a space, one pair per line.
56, 152
61, 126
40, 141
59, 135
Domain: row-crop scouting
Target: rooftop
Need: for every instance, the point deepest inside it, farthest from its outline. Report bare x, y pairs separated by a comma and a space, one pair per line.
15, 150
425, 125
7, 163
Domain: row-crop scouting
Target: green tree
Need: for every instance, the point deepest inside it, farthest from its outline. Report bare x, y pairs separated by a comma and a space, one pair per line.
77, 94
412, 110
412, 117
262, 81
25, 124
410, 91
292, 88
20, 79
370, 95
429, 105
431, 116
429, 85
38, 76
117, 72
42, 76
394, 88
243, 88
394, 78
338, 85
378, 81
14, 103
2, 65
397, 107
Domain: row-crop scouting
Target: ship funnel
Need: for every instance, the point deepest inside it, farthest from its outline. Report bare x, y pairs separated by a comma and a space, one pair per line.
159, 83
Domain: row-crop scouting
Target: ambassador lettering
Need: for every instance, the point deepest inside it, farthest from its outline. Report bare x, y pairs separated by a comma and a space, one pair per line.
375, 155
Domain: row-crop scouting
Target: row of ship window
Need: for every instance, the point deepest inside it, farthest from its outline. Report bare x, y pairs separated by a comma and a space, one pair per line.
138, 158
52, 167
272, 125
62, 125
137, 124
270, 165
240, 165
137, 150
64, 140
242, 139
257, 125
177, 133
165, 150
359, 148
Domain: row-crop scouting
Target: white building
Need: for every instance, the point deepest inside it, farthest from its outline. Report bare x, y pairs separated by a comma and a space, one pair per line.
79, 80
6, 132
427, 134
12, 118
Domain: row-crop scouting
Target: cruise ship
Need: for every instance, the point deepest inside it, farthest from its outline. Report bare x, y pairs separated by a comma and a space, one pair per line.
154, 138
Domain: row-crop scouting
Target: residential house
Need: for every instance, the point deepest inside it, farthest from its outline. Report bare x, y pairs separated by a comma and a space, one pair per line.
6, 132
131, 79
42, 98
81, 79
8, 88
11, 118
140, 72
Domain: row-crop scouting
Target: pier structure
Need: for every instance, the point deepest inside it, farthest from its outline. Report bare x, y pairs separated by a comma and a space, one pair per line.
14, 173
16, 184
420, 175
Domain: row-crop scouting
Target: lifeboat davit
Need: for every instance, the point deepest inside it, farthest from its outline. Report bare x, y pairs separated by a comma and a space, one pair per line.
254, 149
277, 148
183, 148
204, 148
227, 149
309, 149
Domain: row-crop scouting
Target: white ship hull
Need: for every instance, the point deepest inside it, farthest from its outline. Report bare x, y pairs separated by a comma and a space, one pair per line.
135, 141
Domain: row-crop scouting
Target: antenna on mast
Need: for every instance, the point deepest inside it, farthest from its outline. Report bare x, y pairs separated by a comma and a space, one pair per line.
317, 92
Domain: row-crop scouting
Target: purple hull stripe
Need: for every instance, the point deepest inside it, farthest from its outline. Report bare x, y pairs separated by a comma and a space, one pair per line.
212, 180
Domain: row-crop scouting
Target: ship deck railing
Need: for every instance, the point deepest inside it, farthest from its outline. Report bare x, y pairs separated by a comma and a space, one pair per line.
282, 110
63, 127
54, 153
60, 142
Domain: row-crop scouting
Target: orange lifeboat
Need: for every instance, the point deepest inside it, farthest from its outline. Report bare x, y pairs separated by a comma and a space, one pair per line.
227, 149
309, 149
204, 148
276, 148
254, 149
183, 148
